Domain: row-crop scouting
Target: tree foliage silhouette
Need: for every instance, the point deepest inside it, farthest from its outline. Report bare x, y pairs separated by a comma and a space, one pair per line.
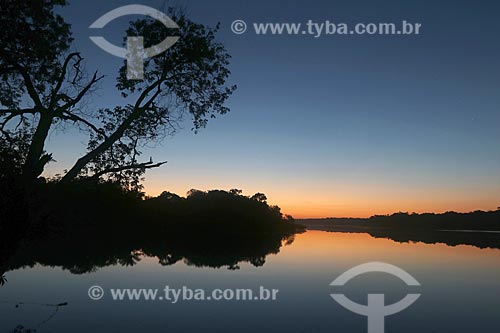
43, 85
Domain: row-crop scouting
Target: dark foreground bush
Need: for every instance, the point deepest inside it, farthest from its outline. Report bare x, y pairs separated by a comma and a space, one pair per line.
87, 205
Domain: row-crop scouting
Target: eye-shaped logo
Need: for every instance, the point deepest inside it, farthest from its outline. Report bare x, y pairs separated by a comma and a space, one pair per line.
375, 310
135, 53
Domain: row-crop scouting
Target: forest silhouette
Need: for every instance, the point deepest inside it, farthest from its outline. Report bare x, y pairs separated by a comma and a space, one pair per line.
99, 200
480, 229
96, 213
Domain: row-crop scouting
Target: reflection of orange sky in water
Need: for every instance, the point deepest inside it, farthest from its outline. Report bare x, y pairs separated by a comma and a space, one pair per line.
313, 201
313, 247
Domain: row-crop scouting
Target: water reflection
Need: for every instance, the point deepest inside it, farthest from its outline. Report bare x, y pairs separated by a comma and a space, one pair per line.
84, 253
459, 289
479, 239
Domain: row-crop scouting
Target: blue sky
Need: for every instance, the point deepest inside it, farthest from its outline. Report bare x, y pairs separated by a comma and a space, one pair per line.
336, 125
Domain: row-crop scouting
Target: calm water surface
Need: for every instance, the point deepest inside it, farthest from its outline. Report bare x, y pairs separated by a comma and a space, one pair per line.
460, 288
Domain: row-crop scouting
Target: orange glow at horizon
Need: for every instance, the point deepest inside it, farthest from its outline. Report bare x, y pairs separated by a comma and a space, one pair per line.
303, 200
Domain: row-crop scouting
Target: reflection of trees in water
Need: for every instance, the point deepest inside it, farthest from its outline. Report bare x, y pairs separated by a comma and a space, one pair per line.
451, 238
206, 229
83, 253
427, 228
480, 240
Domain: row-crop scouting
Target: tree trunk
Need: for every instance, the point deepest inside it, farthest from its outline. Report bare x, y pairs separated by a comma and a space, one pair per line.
35, 162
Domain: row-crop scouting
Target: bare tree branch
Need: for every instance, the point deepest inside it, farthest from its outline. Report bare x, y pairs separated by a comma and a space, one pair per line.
11, 114
53, 99
73, 117
17, 112
74, 101
30, 87
143, 166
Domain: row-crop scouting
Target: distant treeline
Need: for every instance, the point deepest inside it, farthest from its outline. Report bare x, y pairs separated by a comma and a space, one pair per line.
478, 220
450, 228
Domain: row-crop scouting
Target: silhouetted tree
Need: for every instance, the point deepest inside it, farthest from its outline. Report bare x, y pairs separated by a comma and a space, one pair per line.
260, 197
33, 41
43, 85
235, 191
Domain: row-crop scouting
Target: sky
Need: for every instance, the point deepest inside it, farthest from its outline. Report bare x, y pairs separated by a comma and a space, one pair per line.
344, 126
